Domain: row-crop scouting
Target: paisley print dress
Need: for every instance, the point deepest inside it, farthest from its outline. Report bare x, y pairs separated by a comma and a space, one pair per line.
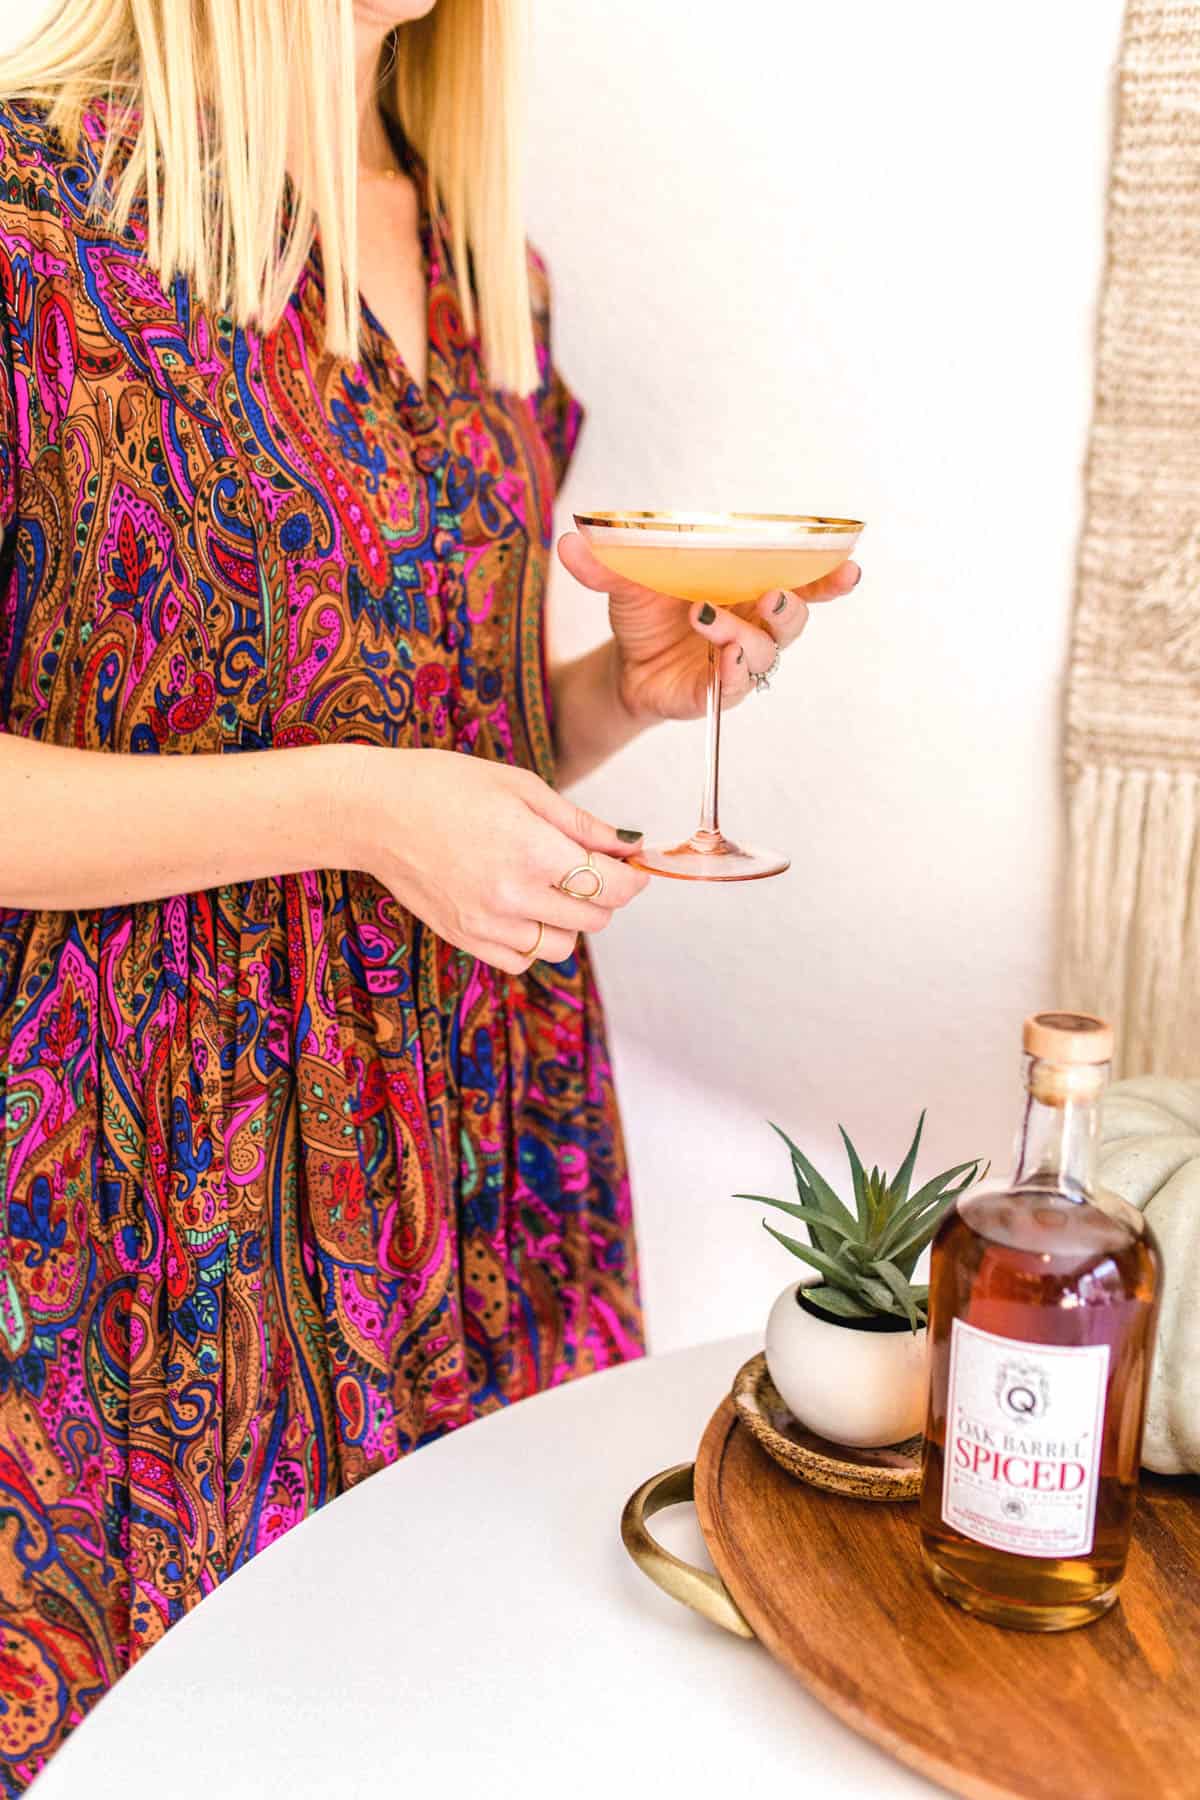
289, 1185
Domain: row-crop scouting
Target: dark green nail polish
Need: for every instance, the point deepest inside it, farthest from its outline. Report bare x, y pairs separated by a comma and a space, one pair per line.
628, 837
780, 604
707, 614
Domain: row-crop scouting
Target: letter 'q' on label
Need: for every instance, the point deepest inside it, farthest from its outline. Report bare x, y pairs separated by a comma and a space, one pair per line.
1024, 1427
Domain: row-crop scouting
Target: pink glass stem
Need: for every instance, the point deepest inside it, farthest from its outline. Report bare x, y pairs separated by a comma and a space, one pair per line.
709, 833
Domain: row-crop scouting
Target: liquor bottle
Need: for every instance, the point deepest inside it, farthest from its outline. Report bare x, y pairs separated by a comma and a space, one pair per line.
1043, 1299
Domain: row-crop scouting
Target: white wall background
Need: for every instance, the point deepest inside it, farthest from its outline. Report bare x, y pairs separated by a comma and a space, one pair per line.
836, 256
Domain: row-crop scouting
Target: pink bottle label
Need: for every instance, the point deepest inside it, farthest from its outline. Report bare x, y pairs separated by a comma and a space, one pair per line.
1024, 1427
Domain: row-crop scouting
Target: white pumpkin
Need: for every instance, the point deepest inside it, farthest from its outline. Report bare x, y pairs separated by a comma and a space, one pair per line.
1150, 1156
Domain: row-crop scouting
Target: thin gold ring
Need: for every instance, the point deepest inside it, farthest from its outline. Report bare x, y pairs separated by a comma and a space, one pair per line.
531, 955
583, 868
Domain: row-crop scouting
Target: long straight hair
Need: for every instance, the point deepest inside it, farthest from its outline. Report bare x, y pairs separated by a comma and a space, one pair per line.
207, 102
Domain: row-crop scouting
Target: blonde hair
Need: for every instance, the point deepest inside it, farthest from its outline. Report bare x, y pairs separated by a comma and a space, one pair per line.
201, 91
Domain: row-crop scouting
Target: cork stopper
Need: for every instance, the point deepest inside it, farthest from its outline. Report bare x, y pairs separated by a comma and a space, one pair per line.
1067, 1057
1069, 1039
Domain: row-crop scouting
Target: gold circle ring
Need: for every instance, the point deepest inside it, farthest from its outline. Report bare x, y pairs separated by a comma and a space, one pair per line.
584, 868
531, 955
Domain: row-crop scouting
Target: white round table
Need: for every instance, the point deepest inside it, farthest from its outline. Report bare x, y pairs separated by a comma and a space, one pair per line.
470, 1616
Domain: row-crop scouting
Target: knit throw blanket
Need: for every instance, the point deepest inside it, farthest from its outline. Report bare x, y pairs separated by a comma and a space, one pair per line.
1132, 932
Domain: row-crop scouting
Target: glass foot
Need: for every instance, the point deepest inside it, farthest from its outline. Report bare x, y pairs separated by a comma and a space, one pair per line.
710, 856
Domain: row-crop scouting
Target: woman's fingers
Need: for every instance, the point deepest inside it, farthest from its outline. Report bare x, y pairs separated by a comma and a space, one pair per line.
735, 673
603, 885
621, 883
785, 616
556, 946
565, 841
603, 880
744, 645
785, 613
500, 956
833, 586
524, 944
516, 944
555, 907
749, 644
576, 823
578, 559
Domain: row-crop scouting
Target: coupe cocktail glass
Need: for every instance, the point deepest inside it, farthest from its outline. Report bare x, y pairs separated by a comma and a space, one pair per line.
728, 559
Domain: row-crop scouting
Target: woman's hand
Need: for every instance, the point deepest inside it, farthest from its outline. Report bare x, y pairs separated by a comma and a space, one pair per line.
476, 849
661, 644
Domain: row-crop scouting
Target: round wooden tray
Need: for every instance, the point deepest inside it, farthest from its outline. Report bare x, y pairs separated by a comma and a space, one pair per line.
834, 1589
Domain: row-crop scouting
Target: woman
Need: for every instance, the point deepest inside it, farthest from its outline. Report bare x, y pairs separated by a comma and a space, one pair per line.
310, 1151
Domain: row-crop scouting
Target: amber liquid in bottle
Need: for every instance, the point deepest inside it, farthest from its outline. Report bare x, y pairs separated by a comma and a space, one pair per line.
1033, 1449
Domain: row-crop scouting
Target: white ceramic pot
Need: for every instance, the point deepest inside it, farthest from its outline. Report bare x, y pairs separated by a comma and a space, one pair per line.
853, 1386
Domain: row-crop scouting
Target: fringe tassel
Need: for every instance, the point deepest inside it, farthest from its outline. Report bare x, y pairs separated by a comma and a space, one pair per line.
1131, 949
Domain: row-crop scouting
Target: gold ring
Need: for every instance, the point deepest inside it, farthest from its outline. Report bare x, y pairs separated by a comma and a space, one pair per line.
531, 955
583, 868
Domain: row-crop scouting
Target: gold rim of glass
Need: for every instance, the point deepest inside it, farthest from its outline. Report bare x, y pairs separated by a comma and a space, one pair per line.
783, 524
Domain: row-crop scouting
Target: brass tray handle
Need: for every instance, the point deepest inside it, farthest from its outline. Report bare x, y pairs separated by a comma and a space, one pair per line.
704, 1593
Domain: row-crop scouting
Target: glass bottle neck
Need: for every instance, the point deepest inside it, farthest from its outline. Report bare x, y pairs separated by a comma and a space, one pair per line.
1058, 1143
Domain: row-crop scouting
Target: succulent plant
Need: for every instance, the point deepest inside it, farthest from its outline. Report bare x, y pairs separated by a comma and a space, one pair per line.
866, 1257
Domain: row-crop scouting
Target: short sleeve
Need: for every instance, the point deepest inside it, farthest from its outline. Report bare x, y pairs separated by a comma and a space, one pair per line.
559, 414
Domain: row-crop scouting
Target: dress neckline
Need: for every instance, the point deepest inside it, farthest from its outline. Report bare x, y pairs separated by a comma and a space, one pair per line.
414, 168
419, 407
